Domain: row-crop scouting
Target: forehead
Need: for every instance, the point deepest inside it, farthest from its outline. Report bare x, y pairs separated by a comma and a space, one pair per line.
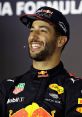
42, 23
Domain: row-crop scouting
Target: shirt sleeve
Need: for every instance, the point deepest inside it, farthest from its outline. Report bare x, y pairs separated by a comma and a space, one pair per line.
73, 101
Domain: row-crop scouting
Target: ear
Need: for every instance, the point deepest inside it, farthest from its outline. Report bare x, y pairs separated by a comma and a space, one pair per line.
61, 41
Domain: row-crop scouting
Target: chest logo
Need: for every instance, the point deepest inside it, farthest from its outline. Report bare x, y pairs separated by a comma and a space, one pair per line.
79, 100
42, 74
57, 88
33, 110
79, 109
15, 100
19, 88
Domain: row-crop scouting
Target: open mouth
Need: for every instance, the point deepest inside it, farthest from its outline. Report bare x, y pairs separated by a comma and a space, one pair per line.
36, 46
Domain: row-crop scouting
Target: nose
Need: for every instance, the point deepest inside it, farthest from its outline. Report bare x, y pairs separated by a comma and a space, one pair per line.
34, 35
36, 32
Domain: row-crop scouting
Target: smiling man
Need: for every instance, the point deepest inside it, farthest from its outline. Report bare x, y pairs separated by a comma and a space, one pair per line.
47, 89
41, 39
42, 45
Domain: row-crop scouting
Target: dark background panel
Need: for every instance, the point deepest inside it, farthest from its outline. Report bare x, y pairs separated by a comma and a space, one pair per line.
14, 59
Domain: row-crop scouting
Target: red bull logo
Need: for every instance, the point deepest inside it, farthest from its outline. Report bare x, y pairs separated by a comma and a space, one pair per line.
32, 110
45, 11
42, 74
79, 109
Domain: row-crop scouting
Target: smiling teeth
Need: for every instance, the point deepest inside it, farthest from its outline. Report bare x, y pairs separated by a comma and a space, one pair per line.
35, 45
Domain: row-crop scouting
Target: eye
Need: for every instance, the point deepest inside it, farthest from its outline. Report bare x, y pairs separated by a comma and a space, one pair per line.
31, 29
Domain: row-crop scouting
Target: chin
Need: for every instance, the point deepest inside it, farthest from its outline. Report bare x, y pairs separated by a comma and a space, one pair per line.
38, 57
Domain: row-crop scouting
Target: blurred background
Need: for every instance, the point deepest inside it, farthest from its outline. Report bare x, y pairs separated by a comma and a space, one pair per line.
14, 59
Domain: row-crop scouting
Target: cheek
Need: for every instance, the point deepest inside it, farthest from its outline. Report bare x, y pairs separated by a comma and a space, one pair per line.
48, 36
45, 37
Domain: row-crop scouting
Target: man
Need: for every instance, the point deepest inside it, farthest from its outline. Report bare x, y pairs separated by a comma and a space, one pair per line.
47, 89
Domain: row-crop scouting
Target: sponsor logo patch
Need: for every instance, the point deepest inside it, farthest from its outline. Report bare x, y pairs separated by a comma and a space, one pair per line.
57, 88
62, 25
19, 88
42, 74
44, 11
55, 96
79, 109
10, 80
54, 101
79, 100
32, 110
13, 100
74, 80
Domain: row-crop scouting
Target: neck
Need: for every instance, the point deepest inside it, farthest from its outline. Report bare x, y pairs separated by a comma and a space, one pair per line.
46, 64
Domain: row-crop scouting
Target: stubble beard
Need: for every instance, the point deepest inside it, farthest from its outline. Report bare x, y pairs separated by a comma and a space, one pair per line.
44, 54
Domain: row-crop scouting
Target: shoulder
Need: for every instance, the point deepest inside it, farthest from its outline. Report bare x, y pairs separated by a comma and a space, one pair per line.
7, 83
68, 81
73, 84
74, 79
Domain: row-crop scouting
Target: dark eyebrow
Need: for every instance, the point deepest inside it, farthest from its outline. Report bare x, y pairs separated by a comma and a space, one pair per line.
44, 27
41, 27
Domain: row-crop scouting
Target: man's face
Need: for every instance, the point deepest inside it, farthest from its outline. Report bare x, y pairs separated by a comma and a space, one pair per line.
41, 41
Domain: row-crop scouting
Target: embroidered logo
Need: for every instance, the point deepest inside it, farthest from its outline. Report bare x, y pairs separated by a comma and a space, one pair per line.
62, 25
79, 100
42, 74
57, 88
55, 96
19, 88
15, 100
79, 109
33, 110
44, 11
10, 80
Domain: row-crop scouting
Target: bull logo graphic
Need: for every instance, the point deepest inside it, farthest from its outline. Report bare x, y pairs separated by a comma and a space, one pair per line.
32, 110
